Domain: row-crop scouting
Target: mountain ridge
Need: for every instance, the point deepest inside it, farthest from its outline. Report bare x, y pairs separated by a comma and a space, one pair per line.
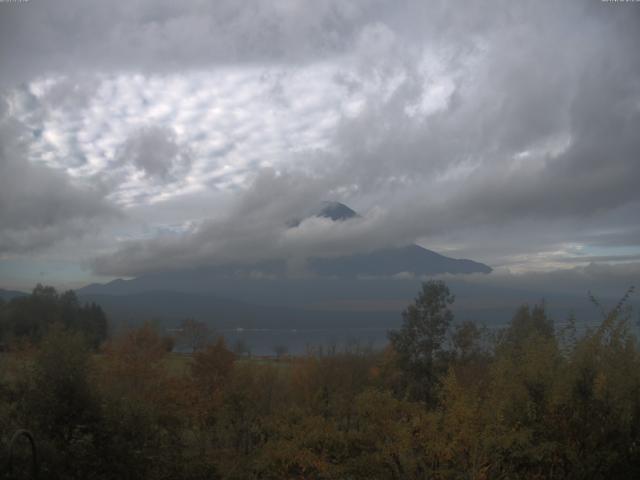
413, 261
7, 295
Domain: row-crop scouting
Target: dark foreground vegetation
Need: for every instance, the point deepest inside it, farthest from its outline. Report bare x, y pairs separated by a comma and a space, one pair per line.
443, 401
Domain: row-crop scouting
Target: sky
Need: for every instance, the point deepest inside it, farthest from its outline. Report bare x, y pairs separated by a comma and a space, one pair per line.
152, 135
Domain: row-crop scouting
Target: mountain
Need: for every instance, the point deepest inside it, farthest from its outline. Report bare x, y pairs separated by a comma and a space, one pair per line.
408, 261
223, 313
336, 211
7, 295
326, 279
360, 295
412, 259
265, 281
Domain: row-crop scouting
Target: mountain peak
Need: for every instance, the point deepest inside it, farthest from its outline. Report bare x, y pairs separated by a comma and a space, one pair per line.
336, 211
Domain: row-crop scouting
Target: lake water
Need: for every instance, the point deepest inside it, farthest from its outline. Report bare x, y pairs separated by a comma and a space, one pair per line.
264, 341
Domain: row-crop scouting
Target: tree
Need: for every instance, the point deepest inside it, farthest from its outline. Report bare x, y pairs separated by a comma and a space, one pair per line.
143, 407
134, 359
525, 323
31, 316
212, 366
195, 335
467, 341
280, 350
419, 342
240, 348
62, 404
94, 324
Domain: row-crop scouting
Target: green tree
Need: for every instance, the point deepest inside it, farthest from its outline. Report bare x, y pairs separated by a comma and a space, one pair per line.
62, 406
30, 317
420, 342
467, 340
527, 322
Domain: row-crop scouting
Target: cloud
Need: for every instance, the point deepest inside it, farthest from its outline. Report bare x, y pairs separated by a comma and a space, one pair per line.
38, 205
154, 151
504, 132
600, 278
217, 126
534, 133
160, 36
254, 228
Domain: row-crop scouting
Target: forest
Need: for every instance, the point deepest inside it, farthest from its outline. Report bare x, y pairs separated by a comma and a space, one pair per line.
444, 400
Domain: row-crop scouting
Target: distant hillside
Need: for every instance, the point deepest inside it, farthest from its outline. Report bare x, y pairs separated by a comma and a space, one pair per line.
321, 303
171, 307
9, 294
367, 290
412, 259
236, 281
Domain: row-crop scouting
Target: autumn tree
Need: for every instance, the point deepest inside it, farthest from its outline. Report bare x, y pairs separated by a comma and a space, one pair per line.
144, 408
212, 366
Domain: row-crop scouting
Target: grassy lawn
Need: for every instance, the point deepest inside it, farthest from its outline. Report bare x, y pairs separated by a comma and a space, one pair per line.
178, 363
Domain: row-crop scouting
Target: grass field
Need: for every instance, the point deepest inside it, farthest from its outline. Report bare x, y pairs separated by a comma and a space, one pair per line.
176, 364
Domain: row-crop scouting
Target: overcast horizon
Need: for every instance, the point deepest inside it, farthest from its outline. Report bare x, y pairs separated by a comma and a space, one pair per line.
148, 136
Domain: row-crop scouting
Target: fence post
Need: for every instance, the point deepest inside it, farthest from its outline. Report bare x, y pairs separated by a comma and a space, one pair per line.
34, 455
